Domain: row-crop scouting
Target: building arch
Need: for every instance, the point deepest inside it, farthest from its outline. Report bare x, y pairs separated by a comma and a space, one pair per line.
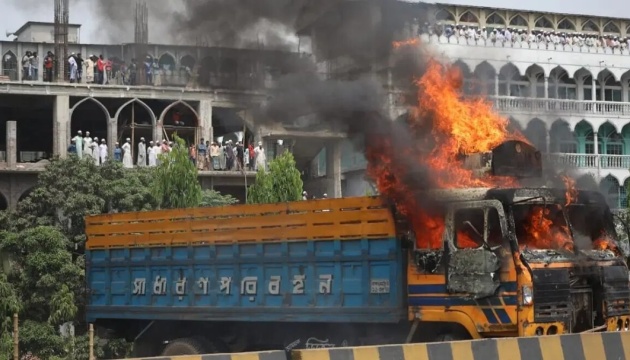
582, 73
468, 17
611, 189
444, 15
4, 202
141, 103
10, 65
562, 139
495, 19
590, 26
611, 28
167, 61
178, 102
610, 139
587, 182
566, 24
94, 128
187, 61
536, 133
605, 75
543, 22
26, 193
91, 99
519, 20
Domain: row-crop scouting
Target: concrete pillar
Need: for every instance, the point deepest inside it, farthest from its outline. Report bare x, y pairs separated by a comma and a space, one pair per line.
40, 62
1, 60
496, 84
61, 125
593, 89
11, 144
19, 55
112, 135
333, 169
547, 87
205, 120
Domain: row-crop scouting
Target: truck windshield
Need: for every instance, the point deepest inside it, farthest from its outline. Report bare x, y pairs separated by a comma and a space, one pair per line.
571, 228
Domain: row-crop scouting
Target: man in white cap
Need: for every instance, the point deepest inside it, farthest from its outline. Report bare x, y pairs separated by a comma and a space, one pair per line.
142, 153
96, 152
87, 145
152, 150
261, 158
127, 159
78, 141
103, 151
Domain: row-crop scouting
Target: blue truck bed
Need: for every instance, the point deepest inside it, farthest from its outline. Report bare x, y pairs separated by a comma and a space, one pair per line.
338, 280
308, 280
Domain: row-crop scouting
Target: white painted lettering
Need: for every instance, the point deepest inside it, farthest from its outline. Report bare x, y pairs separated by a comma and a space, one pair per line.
249, 285
225, 285
180, 287
274, 285
159, 285
325, 283
203, 284
139, 286
298, 284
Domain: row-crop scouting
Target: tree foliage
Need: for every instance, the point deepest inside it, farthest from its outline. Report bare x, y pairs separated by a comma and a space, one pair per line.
43, 240
281, 183
212, 198
176, 184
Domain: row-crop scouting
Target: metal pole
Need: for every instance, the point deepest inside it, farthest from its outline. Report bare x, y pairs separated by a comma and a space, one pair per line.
92, 342
16, 338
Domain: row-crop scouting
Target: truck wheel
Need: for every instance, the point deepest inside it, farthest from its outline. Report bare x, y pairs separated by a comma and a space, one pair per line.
185, 346
452, 336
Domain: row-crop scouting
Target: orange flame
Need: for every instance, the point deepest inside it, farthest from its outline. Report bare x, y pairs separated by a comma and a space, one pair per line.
457, 127
542, 233
408, 42
572, 193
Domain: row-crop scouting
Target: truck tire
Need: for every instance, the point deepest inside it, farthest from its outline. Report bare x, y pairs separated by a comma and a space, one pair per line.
185, 346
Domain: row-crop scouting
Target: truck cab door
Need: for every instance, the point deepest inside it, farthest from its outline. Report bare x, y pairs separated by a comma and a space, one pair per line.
474, 240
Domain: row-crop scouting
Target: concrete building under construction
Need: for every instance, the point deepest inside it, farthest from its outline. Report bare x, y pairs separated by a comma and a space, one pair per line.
214, 91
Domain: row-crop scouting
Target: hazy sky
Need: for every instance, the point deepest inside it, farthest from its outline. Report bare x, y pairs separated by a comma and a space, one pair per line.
82, 13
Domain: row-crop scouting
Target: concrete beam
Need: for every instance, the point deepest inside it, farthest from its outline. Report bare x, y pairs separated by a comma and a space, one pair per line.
61, 125
11, 144
219, 97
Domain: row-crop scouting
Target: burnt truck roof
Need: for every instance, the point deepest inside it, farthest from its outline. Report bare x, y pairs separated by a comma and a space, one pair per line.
511, 195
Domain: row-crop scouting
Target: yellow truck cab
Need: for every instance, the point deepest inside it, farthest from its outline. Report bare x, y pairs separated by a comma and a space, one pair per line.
537, 266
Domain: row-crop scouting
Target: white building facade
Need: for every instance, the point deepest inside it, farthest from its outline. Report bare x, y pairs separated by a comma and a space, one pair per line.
563, 80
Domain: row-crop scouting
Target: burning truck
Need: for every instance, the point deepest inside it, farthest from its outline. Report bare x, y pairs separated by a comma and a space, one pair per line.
468, 239
486, 262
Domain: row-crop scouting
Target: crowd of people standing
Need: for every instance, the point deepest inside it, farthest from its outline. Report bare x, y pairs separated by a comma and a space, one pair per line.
205, 155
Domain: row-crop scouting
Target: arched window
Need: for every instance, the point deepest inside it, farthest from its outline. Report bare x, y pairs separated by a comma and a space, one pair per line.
468, 17
611, 189
566, 24
623, 194
543, 22
495, 19
589, 25
611, 27
444, 15
9, 65
589, 143
518, 20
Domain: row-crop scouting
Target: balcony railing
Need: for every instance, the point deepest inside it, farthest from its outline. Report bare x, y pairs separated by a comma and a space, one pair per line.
561, 106
592, 160
518, 44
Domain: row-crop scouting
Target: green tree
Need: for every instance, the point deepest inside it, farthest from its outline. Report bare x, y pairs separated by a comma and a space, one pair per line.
281, 183
176, 184
212, 198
